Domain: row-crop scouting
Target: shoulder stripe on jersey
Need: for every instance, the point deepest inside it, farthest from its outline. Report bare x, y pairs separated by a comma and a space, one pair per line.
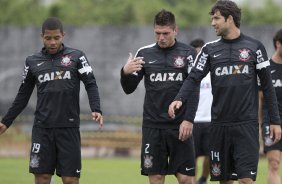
262, 65
203, 47
147, 46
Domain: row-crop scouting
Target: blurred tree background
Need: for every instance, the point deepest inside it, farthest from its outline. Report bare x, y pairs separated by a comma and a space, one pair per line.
126, 12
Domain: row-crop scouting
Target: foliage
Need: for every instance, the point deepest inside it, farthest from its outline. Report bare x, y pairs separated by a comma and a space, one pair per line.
269, 14
22, 12
125, 12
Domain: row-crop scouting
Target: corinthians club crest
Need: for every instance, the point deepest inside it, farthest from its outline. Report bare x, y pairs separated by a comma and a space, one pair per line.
216, 171
148, 163
244, 54
34, 161
179, 62
66, 60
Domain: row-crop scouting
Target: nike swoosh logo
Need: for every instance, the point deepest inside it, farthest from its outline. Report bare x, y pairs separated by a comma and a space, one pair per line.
188, 169
252, 173
150, 62
77, 171
40, 63
272, 71
216, 55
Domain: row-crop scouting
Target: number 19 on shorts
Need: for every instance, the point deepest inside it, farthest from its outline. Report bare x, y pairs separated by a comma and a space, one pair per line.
35, 148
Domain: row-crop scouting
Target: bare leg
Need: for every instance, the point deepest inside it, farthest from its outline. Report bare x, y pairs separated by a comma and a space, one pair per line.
205, 171
226, 182
42, 178
274, 159
206, 167
245, 181
70, 180
184, 179
156, 179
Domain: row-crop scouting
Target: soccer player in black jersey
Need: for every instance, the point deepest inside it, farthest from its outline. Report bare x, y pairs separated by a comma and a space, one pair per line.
201, 128
167, 145
56, 71
273, 151
234, 62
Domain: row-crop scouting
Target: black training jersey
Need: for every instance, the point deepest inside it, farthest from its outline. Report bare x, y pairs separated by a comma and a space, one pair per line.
234, 66
276, 73
57, 78
164, 72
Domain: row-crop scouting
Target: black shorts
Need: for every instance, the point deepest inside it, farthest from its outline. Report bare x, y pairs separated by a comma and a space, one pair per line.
201, 135
163, 153
234, 152
268, 146
55, 149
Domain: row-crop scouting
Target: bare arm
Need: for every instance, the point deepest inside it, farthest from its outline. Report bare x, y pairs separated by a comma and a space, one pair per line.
3, 128
97, 116
185, 130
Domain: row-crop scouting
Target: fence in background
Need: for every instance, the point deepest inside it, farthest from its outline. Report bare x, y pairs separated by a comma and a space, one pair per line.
107, 50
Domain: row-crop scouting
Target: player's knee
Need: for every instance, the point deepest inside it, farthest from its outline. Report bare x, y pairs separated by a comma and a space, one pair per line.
183, 179
42, 178
70, 180
156, 179
245, 181
226, 182
274, 164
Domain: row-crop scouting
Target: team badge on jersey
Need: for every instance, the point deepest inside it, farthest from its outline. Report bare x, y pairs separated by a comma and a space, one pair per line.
148, 163
179, 62
216, 170
66, 61
244, 54
34, 161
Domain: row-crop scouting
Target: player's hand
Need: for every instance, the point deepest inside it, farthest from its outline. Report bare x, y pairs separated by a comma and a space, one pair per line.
96, 116
133, 64
172, 107
3, 128
185, 130
275, 133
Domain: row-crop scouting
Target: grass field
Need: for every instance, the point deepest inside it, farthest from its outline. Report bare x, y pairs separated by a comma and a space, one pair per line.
96, 171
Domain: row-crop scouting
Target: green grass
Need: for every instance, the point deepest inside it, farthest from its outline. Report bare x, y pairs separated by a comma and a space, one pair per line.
96, 171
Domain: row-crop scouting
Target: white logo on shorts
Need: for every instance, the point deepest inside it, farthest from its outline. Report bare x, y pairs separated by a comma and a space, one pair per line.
188, 169
34, 161
151, 62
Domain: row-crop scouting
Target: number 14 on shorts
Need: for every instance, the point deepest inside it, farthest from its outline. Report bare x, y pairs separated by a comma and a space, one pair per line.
215, 156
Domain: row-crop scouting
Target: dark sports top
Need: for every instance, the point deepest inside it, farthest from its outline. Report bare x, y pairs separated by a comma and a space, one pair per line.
234, 66
57, 79
164, 72
276, 73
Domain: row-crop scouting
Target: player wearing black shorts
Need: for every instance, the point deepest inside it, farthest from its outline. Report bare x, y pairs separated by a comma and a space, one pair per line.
273, 151
201, 128
234, 62
56, 71
167, 144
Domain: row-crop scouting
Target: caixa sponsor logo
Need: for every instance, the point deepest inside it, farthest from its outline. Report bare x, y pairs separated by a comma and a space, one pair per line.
57, 75
232, 70
154, 77
277, 83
